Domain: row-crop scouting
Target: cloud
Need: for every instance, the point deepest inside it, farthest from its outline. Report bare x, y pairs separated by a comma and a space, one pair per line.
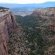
24, 1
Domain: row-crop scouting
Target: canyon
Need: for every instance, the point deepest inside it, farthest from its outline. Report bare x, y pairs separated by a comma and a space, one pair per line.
39, 28
32, 34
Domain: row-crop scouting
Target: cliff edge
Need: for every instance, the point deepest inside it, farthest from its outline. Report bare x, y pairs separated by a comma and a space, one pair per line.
7, 24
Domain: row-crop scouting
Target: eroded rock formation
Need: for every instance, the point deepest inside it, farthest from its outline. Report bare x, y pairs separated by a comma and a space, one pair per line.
7, 24
47, 14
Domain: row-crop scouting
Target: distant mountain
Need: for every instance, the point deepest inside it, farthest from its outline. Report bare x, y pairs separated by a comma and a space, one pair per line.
25, 9
42, 5
3, 8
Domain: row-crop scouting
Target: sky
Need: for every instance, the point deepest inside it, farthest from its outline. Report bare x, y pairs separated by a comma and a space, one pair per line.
25, 1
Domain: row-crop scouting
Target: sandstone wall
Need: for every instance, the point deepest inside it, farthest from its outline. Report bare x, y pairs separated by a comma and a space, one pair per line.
7, 24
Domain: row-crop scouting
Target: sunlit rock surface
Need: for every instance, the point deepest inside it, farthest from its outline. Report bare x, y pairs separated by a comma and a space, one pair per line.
7, 23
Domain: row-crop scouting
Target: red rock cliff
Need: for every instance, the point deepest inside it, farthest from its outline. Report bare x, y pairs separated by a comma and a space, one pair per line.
7, 24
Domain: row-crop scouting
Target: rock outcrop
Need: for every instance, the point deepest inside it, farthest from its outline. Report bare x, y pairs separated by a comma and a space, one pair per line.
47, 14
7, 24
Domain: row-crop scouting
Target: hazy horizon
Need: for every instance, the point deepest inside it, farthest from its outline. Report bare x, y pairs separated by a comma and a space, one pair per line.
25, 1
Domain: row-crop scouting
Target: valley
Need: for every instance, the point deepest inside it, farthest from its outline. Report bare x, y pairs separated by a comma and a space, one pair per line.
39, 28
29, 34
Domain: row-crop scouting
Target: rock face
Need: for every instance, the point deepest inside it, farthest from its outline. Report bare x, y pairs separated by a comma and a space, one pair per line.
48, 14
7, 24
45, 11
